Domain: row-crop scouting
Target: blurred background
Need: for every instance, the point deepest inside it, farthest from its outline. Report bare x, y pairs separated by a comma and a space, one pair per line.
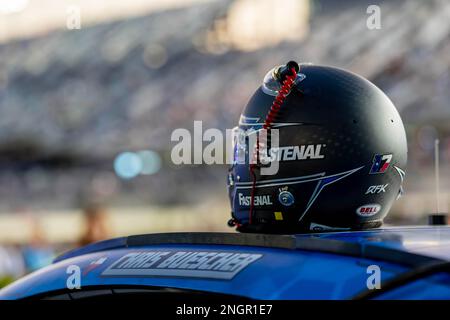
90, 92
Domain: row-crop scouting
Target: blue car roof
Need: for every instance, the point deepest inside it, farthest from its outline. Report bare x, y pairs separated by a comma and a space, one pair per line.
428, 241
307, 266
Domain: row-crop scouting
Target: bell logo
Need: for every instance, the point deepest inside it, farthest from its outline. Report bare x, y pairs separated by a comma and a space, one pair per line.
368, 210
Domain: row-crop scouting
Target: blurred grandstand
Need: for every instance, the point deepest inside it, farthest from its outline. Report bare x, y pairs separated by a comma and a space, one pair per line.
72, 100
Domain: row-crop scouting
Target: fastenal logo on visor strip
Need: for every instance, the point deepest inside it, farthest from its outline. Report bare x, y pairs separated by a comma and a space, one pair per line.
195, 264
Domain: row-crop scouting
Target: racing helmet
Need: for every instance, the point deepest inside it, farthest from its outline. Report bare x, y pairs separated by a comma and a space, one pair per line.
338, 160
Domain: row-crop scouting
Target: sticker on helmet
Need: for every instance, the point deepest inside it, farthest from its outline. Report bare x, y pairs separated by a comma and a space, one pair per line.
368, 210
381, 188
380, 163
262, 200
194, 264
292, 153
286, 198
278, 215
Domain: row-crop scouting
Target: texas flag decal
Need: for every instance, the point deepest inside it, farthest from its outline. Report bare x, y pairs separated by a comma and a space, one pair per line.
381, 163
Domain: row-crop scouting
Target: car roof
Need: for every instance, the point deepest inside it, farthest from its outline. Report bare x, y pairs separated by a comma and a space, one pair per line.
429, 241
305, 266
425, 241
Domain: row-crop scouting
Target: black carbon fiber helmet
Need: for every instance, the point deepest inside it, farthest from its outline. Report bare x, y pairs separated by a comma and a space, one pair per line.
341, 151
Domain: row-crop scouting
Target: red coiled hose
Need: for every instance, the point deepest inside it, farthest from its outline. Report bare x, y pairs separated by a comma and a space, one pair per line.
270, 118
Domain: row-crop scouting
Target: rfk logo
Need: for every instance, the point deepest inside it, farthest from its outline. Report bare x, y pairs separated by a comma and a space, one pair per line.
377, 189
380, 163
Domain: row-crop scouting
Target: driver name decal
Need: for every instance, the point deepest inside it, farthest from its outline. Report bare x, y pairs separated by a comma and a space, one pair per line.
191, 264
